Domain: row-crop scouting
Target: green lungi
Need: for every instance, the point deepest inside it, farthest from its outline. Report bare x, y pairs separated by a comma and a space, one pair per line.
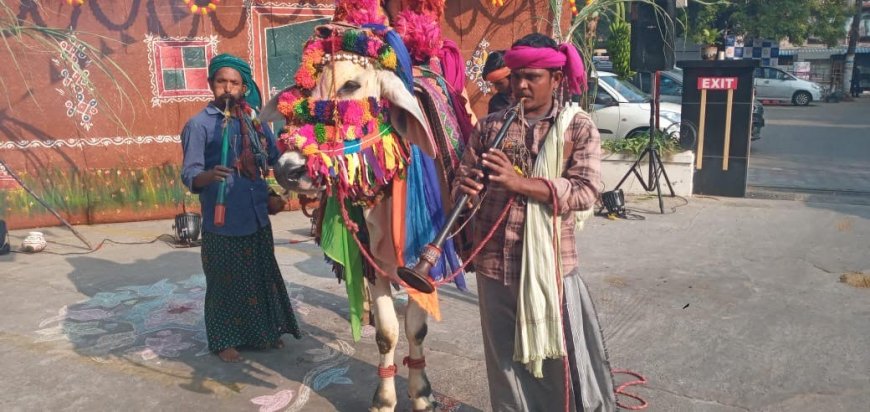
246, 301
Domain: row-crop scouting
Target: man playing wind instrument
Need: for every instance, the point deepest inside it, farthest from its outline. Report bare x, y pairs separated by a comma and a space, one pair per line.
246, 302
543, 345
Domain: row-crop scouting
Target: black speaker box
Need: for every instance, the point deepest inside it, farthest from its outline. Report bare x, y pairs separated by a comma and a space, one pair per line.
652, 35
4, 239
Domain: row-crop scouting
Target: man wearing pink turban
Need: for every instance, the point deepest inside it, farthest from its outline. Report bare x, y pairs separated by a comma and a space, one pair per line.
544, 349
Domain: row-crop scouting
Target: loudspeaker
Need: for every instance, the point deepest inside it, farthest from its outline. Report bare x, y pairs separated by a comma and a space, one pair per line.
652, 35
4, 240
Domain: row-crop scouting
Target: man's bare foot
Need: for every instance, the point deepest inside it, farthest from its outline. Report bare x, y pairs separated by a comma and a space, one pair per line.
230, 355
278, 344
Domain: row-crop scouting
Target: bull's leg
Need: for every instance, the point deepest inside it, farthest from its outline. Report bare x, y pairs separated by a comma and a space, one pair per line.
419, 389
386, 336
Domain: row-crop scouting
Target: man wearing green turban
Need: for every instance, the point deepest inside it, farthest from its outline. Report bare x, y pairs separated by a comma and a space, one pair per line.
252, 92
246, 301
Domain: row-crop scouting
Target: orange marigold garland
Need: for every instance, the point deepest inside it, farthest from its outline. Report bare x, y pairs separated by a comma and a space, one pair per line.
196, 8
75, 2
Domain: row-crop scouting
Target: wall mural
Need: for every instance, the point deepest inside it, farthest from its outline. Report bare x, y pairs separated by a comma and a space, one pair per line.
87, 195
474, 67
72, 63
179, 68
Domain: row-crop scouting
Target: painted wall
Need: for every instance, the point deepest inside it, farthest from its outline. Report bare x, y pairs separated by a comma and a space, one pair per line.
100, 142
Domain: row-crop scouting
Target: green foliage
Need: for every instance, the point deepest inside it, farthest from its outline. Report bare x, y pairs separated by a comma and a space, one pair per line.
795, 20
619, 44
634, 145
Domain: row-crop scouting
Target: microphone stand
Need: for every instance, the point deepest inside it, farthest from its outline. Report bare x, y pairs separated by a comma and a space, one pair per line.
418, 276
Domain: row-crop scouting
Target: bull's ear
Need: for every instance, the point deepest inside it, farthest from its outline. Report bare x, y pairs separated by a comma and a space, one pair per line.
269, 112
405, 113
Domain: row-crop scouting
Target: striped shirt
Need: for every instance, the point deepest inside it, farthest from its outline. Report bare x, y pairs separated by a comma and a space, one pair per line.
577, 189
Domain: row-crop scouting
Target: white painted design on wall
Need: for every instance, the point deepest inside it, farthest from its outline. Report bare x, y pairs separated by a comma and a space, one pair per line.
90, 141
474, 67
72, 63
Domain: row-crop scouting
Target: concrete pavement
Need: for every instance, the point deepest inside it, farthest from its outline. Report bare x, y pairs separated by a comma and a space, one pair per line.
724, 305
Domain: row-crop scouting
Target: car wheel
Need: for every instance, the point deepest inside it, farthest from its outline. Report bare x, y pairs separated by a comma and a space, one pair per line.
638, 133
802, 99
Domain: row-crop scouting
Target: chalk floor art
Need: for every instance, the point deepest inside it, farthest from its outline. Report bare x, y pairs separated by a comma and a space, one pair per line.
164, 320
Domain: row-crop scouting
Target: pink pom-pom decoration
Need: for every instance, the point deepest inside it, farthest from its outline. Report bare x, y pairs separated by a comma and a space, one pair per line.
359, 12
421, 34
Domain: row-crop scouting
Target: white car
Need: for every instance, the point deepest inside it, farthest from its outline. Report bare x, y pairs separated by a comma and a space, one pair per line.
774, 84
621, 110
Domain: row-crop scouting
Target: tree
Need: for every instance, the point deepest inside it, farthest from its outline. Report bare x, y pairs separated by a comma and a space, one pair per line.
795, 20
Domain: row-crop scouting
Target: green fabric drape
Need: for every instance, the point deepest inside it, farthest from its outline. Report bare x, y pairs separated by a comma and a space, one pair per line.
338, 244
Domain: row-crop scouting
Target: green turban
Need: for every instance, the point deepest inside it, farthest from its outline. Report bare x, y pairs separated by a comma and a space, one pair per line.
252, 96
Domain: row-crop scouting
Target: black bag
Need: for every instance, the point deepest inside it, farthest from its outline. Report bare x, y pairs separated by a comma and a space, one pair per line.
4, 239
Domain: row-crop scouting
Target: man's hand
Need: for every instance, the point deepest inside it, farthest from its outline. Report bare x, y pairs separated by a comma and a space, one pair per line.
216, 174
501, 171
469, 185
275, 203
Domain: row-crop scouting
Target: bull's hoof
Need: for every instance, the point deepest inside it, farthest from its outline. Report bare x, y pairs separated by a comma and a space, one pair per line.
385, 397
420, 391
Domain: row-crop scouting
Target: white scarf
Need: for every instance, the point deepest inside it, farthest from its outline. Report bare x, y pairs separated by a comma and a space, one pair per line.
539, 333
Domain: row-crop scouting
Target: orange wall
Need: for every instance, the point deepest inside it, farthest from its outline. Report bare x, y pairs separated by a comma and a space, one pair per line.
131, 132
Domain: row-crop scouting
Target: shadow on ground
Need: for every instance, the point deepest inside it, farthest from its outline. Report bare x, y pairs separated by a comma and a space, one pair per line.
147, 317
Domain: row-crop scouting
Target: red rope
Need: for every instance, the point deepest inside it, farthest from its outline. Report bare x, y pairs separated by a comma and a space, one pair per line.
476, 251
412, 363
388, 372
620, 390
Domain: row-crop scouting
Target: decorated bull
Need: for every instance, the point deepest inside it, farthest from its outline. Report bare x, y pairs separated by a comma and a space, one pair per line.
375, 132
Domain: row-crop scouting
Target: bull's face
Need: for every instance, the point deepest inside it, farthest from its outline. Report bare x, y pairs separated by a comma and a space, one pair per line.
345, 78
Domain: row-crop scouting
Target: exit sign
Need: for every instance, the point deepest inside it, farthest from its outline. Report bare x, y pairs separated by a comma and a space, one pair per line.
717, 83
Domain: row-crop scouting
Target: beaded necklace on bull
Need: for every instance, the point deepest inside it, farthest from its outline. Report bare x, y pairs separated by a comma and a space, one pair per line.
349, 145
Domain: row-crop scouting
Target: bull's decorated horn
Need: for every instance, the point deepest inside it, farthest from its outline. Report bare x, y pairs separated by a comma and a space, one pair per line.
418, 276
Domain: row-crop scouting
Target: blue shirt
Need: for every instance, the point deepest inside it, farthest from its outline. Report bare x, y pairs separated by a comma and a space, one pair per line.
246, 210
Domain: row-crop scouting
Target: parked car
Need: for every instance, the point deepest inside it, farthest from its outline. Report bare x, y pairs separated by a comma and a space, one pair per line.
672, 91
622, 110
774, 84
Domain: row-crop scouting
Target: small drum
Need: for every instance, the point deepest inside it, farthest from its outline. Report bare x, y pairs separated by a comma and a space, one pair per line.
187, 227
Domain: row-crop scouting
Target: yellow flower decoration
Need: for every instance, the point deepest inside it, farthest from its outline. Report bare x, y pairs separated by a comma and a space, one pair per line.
195, 8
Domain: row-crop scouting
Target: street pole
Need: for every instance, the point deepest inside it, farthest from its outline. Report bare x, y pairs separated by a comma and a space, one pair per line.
853, 44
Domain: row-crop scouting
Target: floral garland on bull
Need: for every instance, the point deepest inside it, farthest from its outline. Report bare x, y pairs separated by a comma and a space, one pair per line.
352, 150
350, 146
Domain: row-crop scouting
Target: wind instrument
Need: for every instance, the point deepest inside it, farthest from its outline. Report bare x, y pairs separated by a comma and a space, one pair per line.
220, 209
418, 276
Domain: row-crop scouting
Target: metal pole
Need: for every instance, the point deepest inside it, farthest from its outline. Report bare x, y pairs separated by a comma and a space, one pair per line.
45, 205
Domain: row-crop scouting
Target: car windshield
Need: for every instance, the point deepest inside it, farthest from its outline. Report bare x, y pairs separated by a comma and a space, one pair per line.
626, 89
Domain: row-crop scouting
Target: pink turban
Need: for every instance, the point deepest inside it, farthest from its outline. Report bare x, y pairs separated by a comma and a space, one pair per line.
566, 58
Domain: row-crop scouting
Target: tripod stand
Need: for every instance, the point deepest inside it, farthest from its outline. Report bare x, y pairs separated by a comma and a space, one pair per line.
656, 169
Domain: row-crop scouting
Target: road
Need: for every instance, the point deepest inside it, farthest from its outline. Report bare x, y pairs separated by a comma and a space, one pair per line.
822, 147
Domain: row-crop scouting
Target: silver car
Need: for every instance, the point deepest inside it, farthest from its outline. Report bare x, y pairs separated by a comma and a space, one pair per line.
774, 84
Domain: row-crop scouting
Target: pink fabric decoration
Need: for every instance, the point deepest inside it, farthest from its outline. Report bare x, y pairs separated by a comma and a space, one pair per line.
453, 68
566, 58
453, 65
